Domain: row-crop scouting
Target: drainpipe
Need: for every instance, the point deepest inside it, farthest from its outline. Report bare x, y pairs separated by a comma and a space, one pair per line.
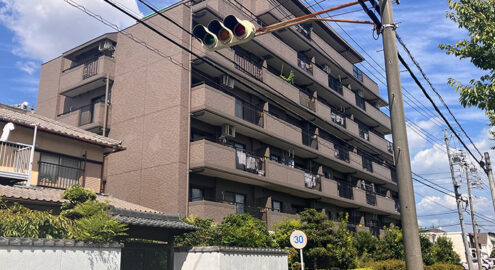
189, 116
31, 158
105, 118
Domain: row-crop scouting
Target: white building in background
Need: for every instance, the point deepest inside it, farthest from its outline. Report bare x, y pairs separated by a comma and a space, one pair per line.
455, 237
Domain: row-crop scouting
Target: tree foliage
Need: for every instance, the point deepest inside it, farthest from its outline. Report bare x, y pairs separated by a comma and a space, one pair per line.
391, 245
478, 18
443, 251
426, 249
244, 231
206, 233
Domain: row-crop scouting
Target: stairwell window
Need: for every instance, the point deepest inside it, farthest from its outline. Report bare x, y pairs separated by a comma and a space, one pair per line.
276, 206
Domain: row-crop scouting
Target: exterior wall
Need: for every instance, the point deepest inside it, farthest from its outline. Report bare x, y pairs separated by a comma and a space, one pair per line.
150, 110
45, 254
218, 258
47, 102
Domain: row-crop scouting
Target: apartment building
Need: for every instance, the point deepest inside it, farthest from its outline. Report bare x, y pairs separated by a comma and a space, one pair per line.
232, 131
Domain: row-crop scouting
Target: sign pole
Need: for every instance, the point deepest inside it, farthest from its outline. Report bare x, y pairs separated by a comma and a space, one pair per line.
302, 260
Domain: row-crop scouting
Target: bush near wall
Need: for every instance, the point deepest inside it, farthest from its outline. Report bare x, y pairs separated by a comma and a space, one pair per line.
401, 265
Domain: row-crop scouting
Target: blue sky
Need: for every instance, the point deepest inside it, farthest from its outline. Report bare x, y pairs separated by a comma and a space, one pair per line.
35, 31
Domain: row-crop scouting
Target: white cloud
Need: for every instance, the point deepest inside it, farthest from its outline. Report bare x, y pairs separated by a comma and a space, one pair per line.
43, 29
430, 204
29, 67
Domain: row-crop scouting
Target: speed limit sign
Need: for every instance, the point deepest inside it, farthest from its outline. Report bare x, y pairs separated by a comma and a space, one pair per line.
299, 240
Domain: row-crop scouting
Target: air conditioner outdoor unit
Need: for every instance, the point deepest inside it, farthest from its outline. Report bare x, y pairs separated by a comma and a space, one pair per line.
227, 81
228, 131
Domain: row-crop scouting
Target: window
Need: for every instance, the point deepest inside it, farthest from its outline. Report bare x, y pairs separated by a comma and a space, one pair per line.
274, 158
357, 73
239, 108
335, 84
276, 206
59, 171
197, 194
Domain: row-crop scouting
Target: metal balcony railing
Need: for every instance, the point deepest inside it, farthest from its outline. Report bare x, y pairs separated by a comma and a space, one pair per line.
59, 176
90, 68
335, 84
248, 63
357, 73
367, 164
345, 189
370, 198
14, 157
341, 153
361, 102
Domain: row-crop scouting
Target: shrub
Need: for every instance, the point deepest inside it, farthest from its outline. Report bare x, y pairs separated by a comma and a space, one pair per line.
243, 231
19, 221
205, 235
440, 266
387, 265
443, 251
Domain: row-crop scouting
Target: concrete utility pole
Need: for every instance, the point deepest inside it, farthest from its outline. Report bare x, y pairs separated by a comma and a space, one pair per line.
473, 219
409, 220
459, 206
488, 170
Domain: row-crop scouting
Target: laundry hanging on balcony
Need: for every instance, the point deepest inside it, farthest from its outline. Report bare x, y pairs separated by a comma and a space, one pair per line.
309, 180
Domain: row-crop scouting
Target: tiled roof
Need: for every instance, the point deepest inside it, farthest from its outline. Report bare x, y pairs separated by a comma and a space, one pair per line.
127, 212
208, 249
30, 118
43, 242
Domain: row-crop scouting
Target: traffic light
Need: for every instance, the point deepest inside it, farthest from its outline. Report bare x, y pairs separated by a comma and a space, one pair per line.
219, 35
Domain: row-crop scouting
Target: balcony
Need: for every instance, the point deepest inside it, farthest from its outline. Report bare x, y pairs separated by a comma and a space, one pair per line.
59, 176
209, 209
14, 160
86, 76
89, 117
248, 63
307, 100
305, 63
283, 129
345, 190
360, 102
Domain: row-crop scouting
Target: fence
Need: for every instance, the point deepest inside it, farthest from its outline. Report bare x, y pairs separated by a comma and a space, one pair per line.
248, 63
90, 68
14, 157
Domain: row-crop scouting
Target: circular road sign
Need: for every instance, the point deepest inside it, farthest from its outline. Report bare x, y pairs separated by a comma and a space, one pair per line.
298, 239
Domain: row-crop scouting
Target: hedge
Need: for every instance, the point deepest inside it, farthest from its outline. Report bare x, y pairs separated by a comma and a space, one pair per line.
401, 265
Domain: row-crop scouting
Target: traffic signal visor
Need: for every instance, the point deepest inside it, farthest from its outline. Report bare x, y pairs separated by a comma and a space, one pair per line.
207, 38
243, 30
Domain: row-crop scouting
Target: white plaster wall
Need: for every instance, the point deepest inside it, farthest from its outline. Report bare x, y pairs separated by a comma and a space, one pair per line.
59, 258
229, 261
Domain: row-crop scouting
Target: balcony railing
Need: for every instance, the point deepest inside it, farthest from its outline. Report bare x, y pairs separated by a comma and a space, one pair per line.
345, 189
14, 157
305, 30
335, 84
90, 68
248, 63
250, 163
341, 153
367, 164
59, 176
370, 197
86, 114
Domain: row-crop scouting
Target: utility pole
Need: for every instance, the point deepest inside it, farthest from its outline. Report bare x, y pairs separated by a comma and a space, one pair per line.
488, 170
473, 219
409, 219
459, 206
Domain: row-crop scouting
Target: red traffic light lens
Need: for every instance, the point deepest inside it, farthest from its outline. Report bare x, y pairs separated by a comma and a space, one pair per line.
240, 30
224, 35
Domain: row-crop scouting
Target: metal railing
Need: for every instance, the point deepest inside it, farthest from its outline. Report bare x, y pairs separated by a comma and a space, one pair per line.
345, 189
14, 157
58, 176
367, 164
248, 63
341, 153
370, 198
90, 68
335, 84
358, 74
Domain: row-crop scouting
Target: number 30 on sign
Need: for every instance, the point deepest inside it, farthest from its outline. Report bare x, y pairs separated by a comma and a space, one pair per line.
298, 239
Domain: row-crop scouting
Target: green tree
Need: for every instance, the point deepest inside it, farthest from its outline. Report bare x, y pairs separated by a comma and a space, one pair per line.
366, 245
243, 231
492, 254
391, 245
92, 220
205, 235
478, 18
426, 249
443, 251
343, 251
